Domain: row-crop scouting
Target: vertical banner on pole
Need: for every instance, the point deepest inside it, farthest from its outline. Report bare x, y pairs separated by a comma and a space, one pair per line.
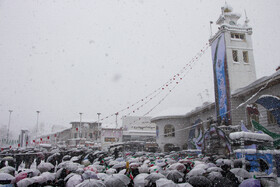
222, 92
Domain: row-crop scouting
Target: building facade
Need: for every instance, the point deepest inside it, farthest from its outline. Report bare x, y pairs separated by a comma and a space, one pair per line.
138, 128
236, 90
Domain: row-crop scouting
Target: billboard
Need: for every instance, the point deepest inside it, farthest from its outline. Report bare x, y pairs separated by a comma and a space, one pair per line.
222, 93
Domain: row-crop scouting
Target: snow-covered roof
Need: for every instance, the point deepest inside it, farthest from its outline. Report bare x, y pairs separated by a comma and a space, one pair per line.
84, 121
181, 112
172, 113
254, 151
250, 136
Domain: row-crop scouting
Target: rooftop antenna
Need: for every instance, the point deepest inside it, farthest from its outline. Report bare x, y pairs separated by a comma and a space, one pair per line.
211, 22
246, 18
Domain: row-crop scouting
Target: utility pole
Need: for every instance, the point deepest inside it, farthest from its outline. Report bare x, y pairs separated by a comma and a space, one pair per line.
9, 125
37, 125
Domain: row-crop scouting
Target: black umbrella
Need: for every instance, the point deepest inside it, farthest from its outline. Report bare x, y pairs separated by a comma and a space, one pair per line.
200, 181
175, 176
221, 182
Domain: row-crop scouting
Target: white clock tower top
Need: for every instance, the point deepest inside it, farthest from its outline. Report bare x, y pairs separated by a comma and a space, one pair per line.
238, 48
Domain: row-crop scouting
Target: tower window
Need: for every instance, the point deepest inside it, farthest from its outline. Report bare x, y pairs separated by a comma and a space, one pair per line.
245, 57
237, 36
235, 55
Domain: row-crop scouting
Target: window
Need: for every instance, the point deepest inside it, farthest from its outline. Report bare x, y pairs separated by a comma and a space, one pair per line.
237, 36
270, 118
252, 114
90, 135
110, 139
75, 135
169, 131
245, 57
235, 55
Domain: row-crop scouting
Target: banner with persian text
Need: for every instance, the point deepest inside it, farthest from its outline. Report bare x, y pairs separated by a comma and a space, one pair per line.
222, 95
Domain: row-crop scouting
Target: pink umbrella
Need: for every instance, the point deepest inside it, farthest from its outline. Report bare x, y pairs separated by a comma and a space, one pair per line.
91, 168
21, 176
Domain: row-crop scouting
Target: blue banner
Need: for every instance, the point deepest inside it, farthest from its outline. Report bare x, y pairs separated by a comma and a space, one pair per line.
221, 79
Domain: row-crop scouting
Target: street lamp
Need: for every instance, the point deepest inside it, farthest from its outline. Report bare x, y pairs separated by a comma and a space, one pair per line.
9, 124
80, 124
98, 125
37, 125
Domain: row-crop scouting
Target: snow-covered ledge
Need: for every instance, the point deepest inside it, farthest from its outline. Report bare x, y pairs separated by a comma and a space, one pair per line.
249, 136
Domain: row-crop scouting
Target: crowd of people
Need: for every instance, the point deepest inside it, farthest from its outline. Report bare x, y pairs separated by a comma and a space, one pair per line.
86, 167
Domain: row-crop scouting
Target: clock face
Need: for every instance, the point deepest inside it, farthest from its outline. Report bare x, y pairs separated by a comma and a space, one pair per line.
232, 23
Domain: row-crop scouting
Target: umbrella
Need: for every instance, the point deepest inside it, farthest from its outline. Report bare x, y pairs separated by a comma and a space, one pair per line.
184, 185
119, 165
113, 162
250, 183
165, 183
143, 169
66, 158
154, 169
111, 171
38, 179
153, 177
241, 172
53, 156
69, 165
25, 182
214, 169
21, 175
91, 183
86, 162
139, 180
74, 180
89, 175
175, 176
35, 172
74, 159
214, 175
7, 169
178, 166
91, 168
7, 158
102, 176
221, 182
134, 165
45, 166
123, 171
117, 180
202, 165
196, 172
200, 181
48, 176
6, 176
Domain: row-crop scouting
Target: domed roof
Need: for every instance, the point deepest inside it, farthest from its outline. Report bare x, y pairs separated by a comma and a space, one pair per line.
227, 8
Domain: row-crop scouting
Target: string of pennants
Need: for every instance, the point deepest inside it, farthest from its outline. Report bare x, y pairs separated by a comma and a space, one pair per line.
168, 87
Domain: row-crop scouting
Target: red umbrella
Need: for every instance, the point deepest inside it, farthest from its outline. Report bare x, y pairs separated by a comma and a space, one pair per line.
21, 176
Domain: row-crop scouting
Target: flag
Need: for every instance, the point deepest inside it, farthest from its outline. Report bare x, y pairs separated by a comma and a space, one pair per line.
263, 129
243, 127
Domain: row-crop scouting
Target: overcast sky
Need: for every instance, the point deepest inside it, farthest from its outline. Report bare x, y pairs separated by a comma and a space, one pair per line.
63, 57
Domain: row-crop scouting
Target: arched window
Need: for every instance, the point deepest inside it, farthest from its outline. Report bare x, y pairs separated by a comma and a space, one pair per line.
169, 131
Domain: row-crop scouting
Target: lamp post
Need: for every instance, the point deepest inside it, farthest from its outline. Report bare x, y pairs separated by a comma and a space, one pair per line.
98, 126
80, 135
37, 125
9, 124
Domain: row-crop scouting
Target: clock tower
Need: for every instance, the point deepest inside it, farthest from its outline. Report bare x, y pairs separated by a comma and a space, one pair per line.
233, 60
